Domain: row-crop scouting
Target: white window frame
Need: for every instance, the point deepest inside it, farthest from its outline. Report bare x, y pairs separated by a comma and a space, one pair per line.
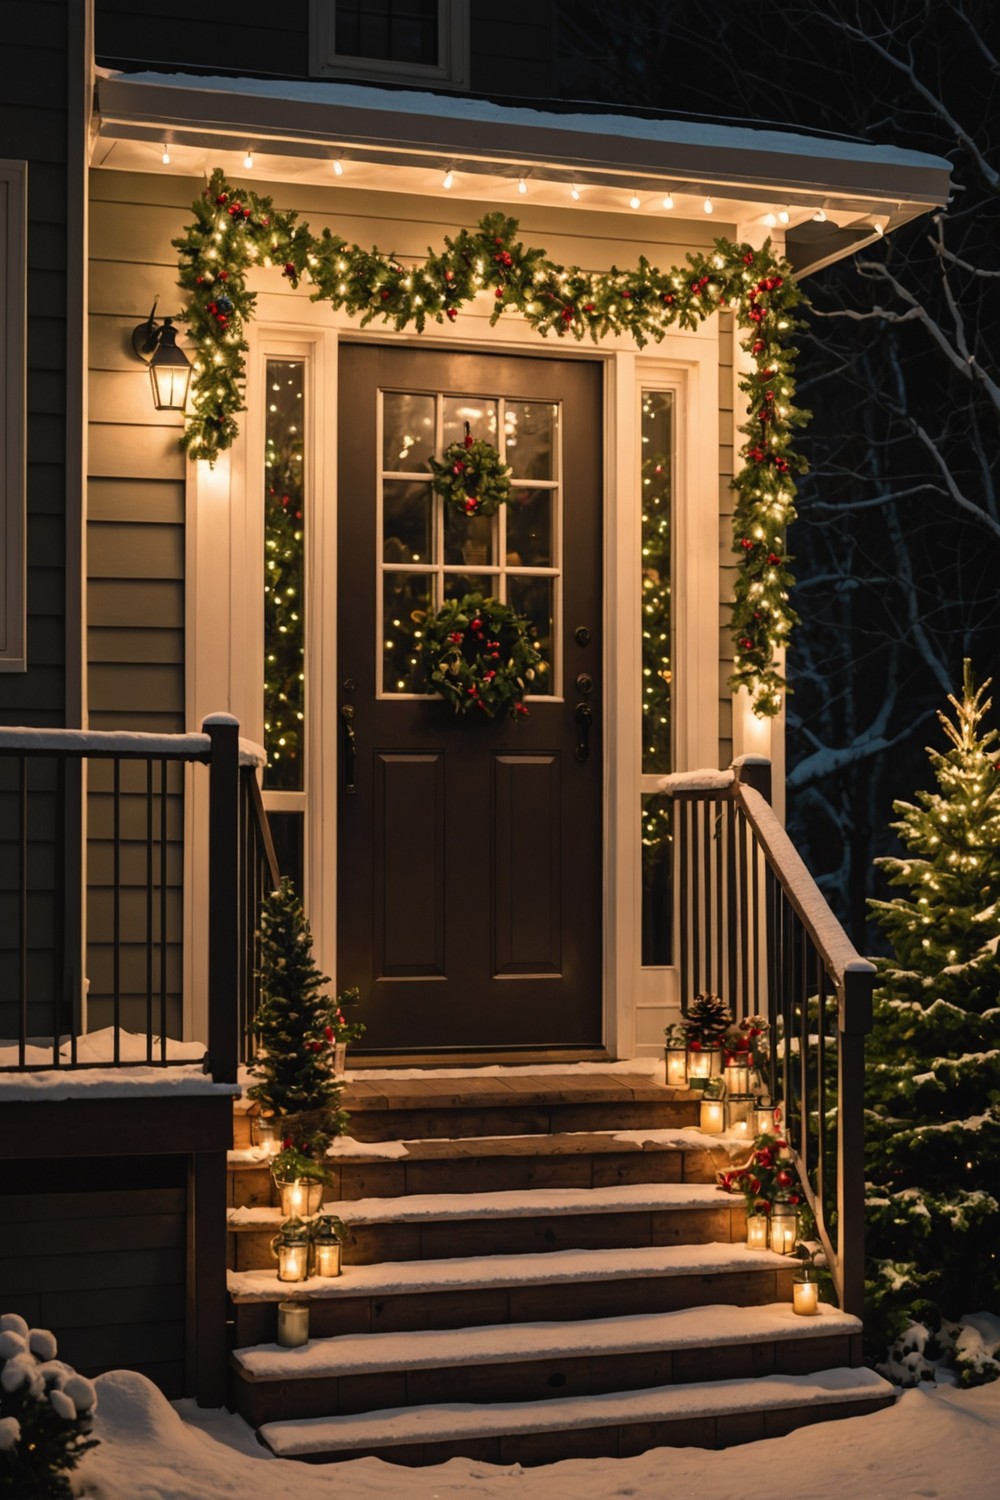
13, 414
450, 71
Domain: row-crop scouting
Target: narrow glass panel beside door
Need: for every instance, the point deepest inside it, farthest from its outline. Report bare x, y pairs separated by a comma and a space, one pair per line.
284, 578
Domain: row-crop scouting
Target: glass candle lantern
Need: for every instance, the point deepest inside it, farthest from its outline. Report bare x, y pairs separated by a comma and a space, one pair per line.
293, 1324
328, 1234
757, 1226
740, 1115
737, 1076
805, 1293
784, 1226
339, 1059
290, 1248
703, 1063
764, 1116
301, 1198
712, 1110
264, 1134
676, 1058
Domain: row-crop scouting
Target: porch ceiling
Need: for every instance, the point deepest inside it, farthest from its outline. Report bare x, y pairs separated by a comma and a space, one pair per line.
404, 142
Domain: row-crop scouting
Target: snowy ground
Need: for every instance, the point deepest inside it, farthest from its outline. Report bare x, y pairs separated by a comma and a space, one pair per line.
936, 1443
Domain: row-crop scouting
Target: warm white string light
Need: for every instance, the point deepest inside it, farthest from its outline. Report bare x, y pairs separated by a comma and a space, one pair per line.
574, 192
635, 201
338, 167
708, 206
668, 201
448, 180
783, 216
819, 217
522, 186
165, 158
771, 220
248, 160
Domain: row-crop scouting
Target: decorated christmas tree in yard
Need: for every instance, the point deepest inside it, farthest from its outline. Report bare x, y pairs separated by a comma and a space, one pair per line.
933, 1075
296, 1026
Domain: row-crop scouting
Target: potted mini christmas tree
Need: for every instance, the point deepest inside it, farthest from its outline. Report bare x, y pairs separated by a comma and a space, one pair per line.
296, 1028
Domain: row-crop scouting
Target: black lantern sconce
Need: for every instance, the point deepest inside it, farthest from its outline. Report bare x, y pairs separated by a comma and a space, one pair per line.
155, 343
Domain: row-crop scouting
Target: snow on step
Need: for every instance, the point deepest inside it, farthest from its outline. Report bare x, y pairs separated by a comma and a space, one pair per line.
540, 1268
700, 1327
436, 1424
521, 1203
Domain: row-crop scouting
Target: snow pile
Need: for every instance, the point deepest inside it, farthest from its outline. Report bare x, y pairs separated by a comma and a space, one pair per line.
966, 1353
933, 1441
131, 1075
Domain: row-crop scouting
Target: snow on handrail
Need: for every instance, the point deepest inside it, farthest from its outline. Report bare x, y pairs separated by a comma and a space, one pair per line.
707, 780
835, 947
125, 743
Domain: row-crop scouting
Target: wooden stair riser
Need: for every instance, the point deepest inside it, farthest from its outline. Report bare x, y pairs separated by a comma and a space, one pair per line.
473, 1307
445, 1239
260, 1401
250, 1185
445, 1122
624, 1440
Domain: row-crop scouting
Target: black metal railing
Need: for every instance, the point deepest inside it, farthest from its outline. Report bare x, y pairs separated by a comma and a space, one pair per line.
752, 926
121, 797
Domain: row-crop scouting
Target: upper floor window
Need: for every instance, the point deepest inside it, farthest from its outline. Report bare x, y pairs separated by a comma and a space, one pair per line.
399, 41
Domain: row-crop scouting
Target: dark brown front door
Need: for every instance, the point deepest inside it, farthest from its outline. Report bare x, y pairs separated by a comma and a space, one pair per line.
470, 851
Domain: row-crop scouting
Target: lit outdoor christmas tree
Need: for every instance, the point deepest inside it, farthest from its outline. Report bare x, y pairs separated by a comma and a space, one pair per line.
933, 1080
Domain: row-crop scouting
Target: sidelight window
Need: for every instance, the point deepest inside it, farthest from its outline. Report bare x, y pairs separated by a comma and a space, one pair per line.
656, 474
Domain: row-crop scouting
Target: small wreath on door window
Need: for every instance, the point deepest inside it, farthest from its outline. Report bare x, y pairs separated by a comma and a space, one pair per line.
481, 654
473, 477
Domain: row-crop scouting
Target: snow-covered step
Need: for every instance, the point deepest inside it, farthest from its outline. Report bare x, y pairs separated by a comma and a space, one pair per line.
585, 1159
432, 1226
466, 1291
537, 1361
704, 1414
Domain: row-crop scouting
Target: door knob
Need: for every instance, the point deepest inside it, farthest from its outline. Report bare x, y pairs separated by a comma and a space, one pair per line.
347, 714
584, 718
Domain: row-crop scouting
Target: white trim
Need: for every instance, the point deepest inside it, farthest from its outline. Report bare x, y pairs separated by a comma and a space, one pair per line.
450, 71
223, 514
13, 413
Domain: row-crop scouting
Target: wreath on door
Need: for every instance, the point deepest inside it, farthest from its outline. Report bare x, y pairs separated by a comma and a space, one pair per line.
480, 654
473, 477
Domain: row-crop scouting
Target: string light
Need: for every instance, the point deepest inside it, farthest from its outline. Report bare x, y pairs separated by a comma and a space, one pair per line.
522, 186
248, 160
668, 201
448, 180
635, 201
819, 217
338, 167
574, 192
708, 206
770, 220
165, 158
783, 216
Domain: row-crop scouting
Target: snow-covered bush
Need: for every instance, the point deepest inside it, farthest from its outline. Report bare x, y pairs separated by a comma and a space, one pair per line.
46, 1413
965, 1353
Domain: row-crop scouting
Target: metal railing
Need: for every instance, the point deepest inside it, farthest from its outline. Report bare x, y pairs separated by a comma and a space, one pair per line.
120, 795
752, 926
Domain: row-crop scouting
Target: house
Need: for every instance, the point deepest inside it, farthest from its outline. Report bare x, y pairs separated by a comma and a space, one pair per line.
527, 891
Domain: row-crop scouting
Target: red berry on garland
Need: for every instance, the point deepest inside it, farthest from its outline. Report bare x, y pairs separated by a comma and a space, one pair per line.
221, 198
784, 1178
223, 275
589, 307
758, 345
520, 708
476, 624
473, 691
774, 559
451, 313
498, 293
449, 276
328, 1031
458, 467
746, 544
748, 258
246, 213
746, 643
289, 269
199, 280
385, 296
471, 505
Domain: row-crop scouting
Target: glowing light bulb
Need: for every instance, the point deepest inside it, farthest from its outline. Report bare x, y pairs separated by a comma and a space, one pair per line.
574, 192
708, 206
634, 201
448, 180
165, 158
819, 217
879, 228
522, 186
248, 161
668, 201
770, 220
783, 216
338, 167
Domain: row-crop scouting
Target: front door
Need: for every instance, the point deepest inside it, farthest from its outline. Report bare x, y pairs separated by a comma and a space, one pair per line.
470, 850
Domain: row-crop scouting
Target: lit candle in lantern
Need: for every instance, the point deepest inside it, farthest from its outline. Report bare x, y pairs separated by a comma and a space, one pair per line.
264, 1134
301, 1198
703, 1063
290, 1248
293, 1324
784, 1227
756, 1231
737, 1076
712, 1117
677, 1067
739, 1113
805, 1295
764, 1117
328, 1233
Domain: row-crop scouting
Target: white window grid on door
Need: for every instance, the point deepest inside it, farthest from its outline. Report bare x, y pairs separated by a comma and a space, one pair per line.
499, 570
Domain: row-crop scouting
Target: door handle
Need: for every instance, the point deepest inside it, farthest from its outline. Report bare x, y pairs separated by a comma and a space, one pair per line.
351, 751
584, 718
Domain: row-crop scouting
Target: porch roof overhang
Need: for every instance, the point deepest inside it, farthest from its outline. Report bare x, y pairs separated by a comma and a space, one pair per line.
827, 195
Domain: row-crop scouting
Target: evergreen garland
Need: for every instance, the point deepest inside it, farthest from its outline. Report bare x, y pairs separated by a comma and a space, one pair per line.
933, 1075
237, 229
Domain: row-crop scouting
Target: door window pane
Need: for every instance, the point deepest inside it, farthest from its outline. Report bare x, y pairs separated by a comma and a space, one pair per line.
529, 528
657, 644
456, 585
392, 30
407, 431
478, 411
531, 429
284, 577
534, 597
405, 600
407, 522
468, 540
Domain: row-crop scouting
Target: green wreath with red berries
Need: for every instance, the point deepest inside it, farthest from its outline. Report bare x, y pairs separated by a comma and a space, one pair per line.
481, 656
473, 477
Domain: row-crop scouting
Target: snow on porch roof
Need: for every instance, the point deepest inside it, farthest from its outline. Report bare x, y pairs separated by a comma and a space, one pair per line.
477, 136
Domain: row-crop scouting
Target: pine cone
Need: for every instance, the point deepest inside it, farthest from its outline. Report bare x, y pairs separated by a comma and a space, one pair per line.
708, 1019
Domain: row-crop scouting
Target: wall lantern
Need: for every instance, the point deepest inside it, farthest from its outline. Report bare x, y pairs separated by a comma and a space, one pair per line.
155, 343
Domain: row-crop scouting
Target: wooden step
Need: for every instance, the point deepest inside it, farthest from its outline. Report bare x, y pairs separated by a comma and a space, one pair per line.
714, 1414
436, 1226
481, 1103
478, 1290
583, 1159
537, 1361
